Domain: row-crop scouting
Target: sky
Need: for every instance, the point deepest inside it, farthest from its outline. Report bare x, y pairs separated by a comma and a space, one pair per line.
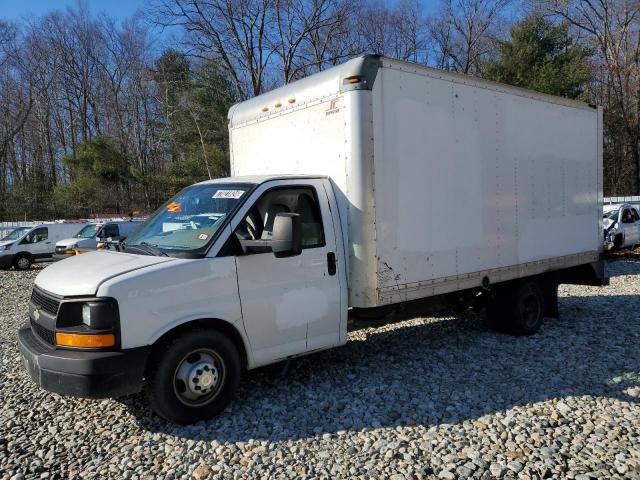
19, 9
121, 9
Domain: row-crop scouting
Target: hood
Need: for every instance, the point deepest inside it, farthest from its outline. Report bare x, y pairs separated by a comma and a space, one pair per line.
607, 222
6, 242
83, 274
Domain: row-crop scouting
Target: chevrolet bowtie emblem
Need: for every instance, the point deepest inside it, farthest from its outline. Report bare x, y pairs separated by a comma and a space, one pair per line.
36, 314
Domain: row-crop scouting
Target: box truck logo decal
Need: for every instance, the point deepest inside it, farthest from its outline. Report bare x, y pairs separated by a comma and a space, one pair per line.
333, 107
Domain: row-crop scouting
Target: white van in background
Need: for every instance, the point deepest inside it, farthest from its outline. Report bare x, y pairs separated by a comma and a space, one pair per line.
26, 245
92, 234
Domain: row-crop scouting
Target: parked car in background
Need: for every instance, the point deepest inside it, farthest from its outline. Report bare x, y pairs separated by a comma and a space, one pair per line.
92, 236
621, 227
26, 245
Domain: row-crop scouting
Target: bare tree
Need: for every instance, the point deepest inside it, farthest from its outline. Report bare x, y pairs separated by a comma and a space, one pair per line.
302, 33
235, 32
397, 31
612, 26
463, 32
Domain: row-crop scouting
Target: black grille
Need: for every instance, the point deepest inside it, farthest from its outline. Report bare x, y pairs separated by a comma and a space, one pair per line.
44, 302
47, 336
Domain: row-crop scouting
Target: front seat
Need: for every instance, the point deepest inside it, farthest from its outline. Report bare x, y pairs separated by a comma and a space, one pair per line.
269, 217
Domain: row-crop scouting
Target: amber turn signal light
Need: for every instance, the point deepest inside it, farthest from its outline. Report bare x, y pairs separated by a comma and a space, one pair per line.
353, 80
85, 340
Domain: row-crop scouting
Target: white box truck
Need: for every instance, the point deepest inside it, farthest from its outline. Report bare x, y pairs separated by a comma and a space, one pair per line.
371, 184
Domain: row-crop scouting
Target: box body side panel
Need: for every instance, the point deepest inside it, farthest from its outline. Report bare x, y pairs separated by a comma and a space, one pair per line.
471, 181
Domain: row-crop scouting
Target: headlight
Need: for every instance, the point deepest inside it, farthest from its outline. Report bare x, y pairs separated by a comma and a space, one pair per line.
5, 247
98, 315
88, 324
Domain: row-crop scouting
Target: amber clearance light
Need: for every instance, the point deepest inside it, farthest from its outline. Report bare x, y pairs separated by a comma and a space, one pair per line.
353, 79
85, 340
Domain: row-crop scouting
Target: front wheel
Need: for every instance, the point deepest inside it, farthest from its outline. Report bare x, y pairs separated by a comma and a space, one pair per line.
193, 376
22, 262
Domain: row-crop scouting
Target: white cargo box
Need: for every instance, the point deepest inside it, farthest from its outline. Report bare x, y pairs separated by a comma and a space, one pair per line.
442, 179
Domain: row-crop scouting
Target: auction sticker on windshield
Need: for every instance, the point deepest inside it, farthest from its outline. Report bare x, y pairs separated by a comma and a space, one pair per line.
202, 236
174, 207
228, 194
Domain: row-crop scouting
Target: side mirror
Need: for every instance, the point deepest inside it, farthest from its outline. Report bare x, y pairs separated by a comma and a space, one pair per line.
286, 240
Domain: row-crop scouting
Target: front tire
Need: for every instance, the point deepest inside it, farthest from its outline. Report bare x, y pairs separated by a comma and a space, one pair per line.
22, 262
193, 376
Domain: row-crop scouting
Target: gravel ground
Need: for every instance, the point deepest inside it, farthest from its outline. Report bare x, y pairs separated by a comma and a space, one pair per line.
438, 396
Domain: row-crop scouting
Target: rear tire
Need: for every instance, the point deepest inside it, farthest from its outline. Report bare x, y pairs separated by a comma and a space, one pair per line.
22, 262
193, 376
517, 309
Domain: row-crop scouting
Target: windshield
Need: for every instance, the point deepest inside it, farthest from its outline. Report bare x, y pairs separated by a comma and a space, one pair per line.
612, 215
16, 234
88, 232
190, 220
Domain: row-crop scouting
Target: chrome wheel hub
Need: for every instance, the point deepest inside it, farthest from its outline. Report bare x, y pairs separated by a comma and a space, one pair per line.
202, 377
199, 377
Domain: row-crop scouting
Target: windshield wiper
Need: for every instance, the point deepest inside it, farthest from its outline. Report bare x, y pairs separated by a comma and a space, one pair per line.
148, 248
154, 248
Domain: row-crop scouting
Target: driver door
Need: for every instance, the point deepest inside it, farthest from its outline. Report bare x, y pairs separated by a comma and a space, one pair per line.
37, 243
634, 226
284, 299
629, 227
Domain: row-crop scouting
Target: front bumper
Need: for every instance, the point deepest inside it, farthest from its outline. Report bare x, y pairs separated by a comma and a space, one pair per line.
88, 374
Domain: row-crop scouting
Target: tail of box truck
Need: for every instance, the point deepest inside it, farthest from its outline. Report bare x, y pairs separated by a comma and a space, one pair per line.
445, 182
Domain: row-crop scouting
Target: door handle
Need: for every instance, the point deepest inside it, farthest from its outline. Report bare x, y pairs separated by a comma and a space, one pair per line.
331, 263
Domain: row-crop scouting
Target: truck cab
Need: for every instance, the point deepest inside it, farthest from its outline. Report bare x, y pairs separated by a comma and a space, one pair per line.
229, 274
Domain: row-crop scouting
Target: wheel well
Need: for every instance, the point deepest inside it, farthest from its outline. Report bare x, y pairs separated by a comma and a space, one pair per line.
216, 324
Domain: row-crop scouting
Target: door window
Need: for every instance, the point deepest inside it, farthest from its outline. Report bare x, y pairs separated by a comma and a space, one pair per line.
258, 224
109, 231
634, 215
626, 216
36, 236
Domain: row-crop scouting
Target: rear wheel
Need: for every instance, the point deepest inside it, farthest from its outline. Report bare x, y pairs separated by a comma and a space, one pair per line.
193, 376
517, 309
22, 262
